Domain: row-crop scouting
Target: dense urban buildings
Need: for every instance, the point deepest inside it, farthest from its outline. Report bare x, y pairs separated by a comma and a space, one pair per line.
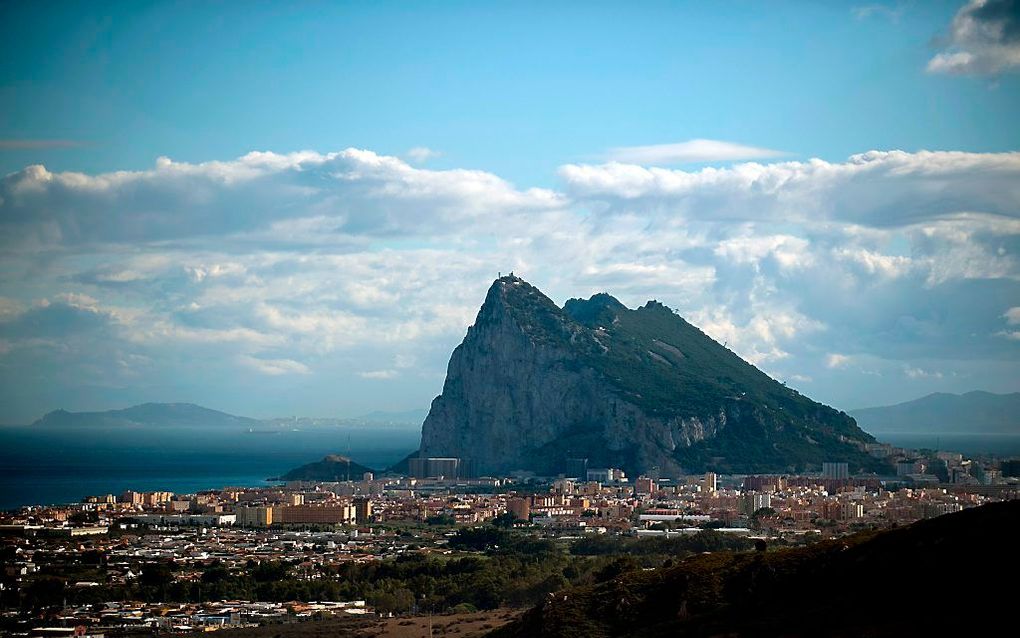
314, 528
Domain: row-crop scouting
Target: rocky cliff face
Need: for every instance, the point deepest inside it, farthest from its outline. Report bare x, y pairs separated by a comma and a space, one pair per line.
533, 385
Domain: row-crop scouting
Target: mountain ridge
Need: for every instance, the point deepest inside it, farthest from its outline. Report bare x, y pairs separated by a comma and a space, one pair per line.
183, 414
975, 412
532, 384
145, 415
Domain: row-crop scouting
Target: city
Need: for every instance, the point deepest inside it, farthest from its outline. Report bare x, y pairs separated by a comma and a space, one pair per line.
119, 545
490, 319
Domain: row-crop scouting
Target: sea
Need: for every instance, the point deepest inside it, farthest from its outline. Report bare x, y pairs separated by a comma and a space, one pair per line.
999, 445
64, 466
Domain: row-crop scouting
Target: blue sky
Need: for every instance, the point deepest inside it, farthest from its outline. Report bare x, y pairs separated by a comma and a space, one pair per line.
591, 146
512, 88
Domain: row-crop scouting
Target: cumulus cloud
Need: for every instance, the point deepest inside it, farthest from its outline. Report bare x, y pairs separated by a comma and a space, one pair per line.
689, 152
983, 39
351, 192
231, 280
878, 188
421, 154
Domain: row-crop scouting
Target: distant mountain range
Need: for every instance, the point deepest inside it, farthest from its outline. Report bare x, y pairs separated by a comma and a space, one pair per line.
189, 415
162, 415
942, 413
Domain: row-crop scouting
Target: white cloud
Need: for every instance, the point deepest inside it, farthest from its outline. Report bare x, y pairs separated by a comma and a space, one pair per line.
920, 373
877, 188
421, 154
875, 263
276, 367
788, 251
689, 152
893, 13
301, 268
983, 39
404, 361
351, 192
836, 360
378, 374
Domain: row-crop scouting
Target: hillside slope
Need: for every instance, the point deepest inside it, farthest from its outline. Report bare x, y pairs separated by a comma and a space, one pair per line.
934, 577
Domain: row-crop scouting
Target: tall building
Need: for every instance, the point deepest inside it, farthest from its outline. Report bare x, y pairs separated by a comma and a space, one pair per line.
644, 485
835, 470
606, 475
711, 484
754, 501
363, 510
520, 508
325, 514
850, 510
909, 466
132, 497
254, 516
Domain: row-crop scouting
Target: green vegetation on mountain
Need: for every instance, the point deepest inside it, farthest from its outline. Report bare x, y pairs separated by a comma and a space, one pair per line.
639, 388
331, 468
669, 367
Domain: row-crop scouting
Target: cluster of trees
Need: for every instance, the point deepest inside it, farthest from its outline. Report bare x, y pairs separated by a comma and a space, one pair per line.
707, 540
503, 568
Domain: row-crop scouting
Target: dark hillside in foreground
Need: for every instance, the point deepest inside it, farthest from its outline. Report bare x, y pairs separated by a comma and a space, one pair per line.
936, 577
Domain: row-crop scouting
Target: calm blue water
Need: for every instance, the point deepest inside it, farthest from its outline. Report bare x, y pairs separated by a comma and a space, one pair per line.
65, 466
997, 444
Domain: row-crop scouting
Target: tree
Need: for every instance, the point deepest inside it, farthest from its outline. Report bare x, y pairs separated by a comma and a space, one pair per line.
156, 575
617, 567
505, 520
479, 538
441, 519
43, 592
83, 517
215, 573
270, 571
